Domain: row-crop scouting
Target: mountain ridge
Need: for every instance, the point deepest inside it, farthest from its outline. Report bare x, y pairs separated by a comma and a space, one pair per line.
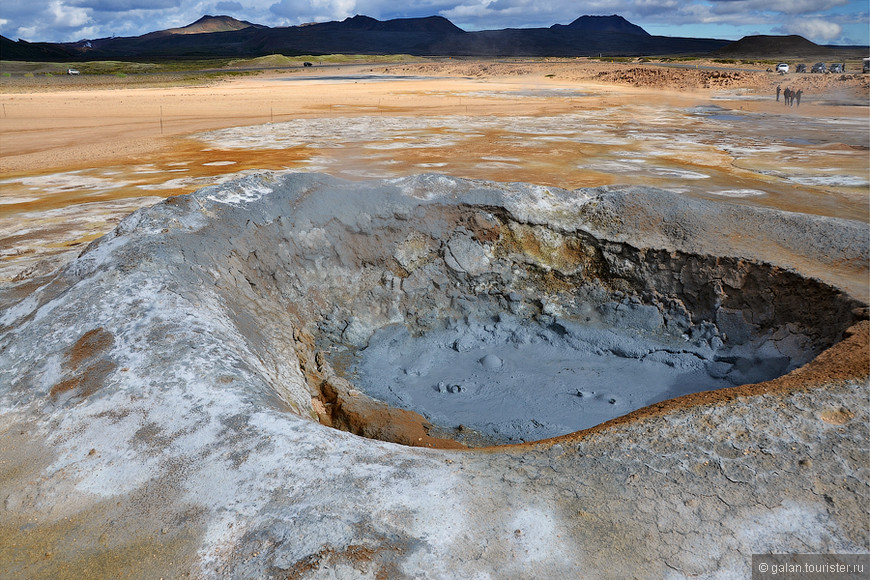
225, 36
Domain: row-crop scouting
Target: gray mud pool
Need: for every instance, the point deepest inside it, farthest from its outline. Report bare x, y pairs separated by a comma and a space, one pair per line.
511, 381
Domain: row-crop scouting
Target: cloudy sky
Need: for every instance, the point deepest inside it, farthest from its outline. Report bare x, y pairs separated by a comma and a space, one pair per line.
822, 21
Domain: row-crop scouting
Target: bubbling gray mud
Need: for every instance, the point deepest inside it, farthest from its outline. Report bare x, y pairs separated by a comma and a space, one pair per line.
512, 380
524, 313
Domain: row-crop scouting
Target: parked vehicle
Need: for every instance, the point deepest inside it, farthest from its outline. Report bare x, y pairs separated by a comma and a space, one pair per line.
866, 67
72, 71
782, 68
801, 68
820, 67
837, 67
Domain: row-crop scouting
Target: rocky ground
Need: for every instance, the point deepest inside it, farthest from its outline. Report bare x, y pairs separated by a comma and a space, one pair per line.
683, 76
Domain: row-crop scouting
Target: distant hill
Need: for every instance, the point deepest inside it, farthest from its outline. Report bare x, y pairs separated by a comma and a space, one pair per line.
597, 24
773, 47
428, 25
35, 51
208, 24
224, 36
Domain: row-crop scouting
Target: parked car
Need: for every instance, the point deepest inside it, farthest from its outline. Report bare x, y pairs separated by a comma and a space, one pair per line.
782, 68
837, 67
819, 67
801, 68
866, 67
72, 71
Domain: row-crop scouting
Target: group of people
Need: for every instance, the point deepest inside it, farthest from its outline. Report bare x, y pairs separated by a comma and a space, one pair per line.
791, 97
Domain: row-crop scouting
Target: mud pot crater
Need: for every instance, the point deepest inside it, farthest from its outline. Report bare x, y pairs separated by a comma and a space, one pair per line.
434, 311
440, 312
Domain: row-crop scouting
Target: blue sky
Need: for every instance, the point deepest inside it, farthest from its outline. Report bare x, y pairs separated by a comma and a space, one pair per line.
822, 21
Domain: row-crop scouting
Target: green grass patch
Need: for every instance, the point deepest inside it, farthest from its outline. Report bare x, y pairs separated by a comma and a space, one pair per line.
114, 67
200, 68
270, 61
106, 67
111, 67
282, 61
620, 59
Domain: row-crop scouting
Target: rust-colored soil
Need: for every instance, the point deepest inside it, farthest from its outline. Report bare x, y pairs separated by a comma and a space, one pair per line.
86, 364
59, 128
340, 406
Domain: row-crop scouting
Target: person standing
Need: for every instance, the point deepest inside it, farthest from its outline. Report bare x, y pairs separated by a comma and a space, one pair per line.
797, 97
777, 93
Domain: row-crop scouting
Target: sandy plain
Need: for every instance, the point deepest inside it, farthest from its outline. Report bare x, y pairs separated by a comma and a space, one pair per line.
77, 154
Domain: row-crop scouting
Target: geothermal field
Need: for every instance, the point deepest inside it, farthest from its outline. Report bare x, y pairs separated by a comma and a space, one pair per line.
459, 319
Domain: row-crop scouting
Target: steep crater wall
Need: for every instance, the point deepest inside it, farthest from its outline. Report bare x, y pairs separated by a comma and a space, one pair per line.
430, 310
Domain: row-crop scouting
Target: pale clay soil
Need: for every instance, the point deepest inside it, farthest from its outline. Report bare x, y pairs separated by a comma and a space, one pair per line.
58, 131
54, 128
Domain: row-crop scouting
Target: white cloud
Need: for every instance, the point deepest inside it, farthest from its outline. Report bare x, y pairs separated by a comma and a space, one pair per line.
26, 32
780, 6
63, 20
487, 14
67, 16
229, 6
815, 29
299, 11
468, 10
128, 5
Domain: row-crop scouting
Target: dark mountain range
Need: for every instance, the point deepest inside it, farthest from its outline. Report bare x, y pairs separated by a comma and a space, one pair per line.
34, 51
224, 36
